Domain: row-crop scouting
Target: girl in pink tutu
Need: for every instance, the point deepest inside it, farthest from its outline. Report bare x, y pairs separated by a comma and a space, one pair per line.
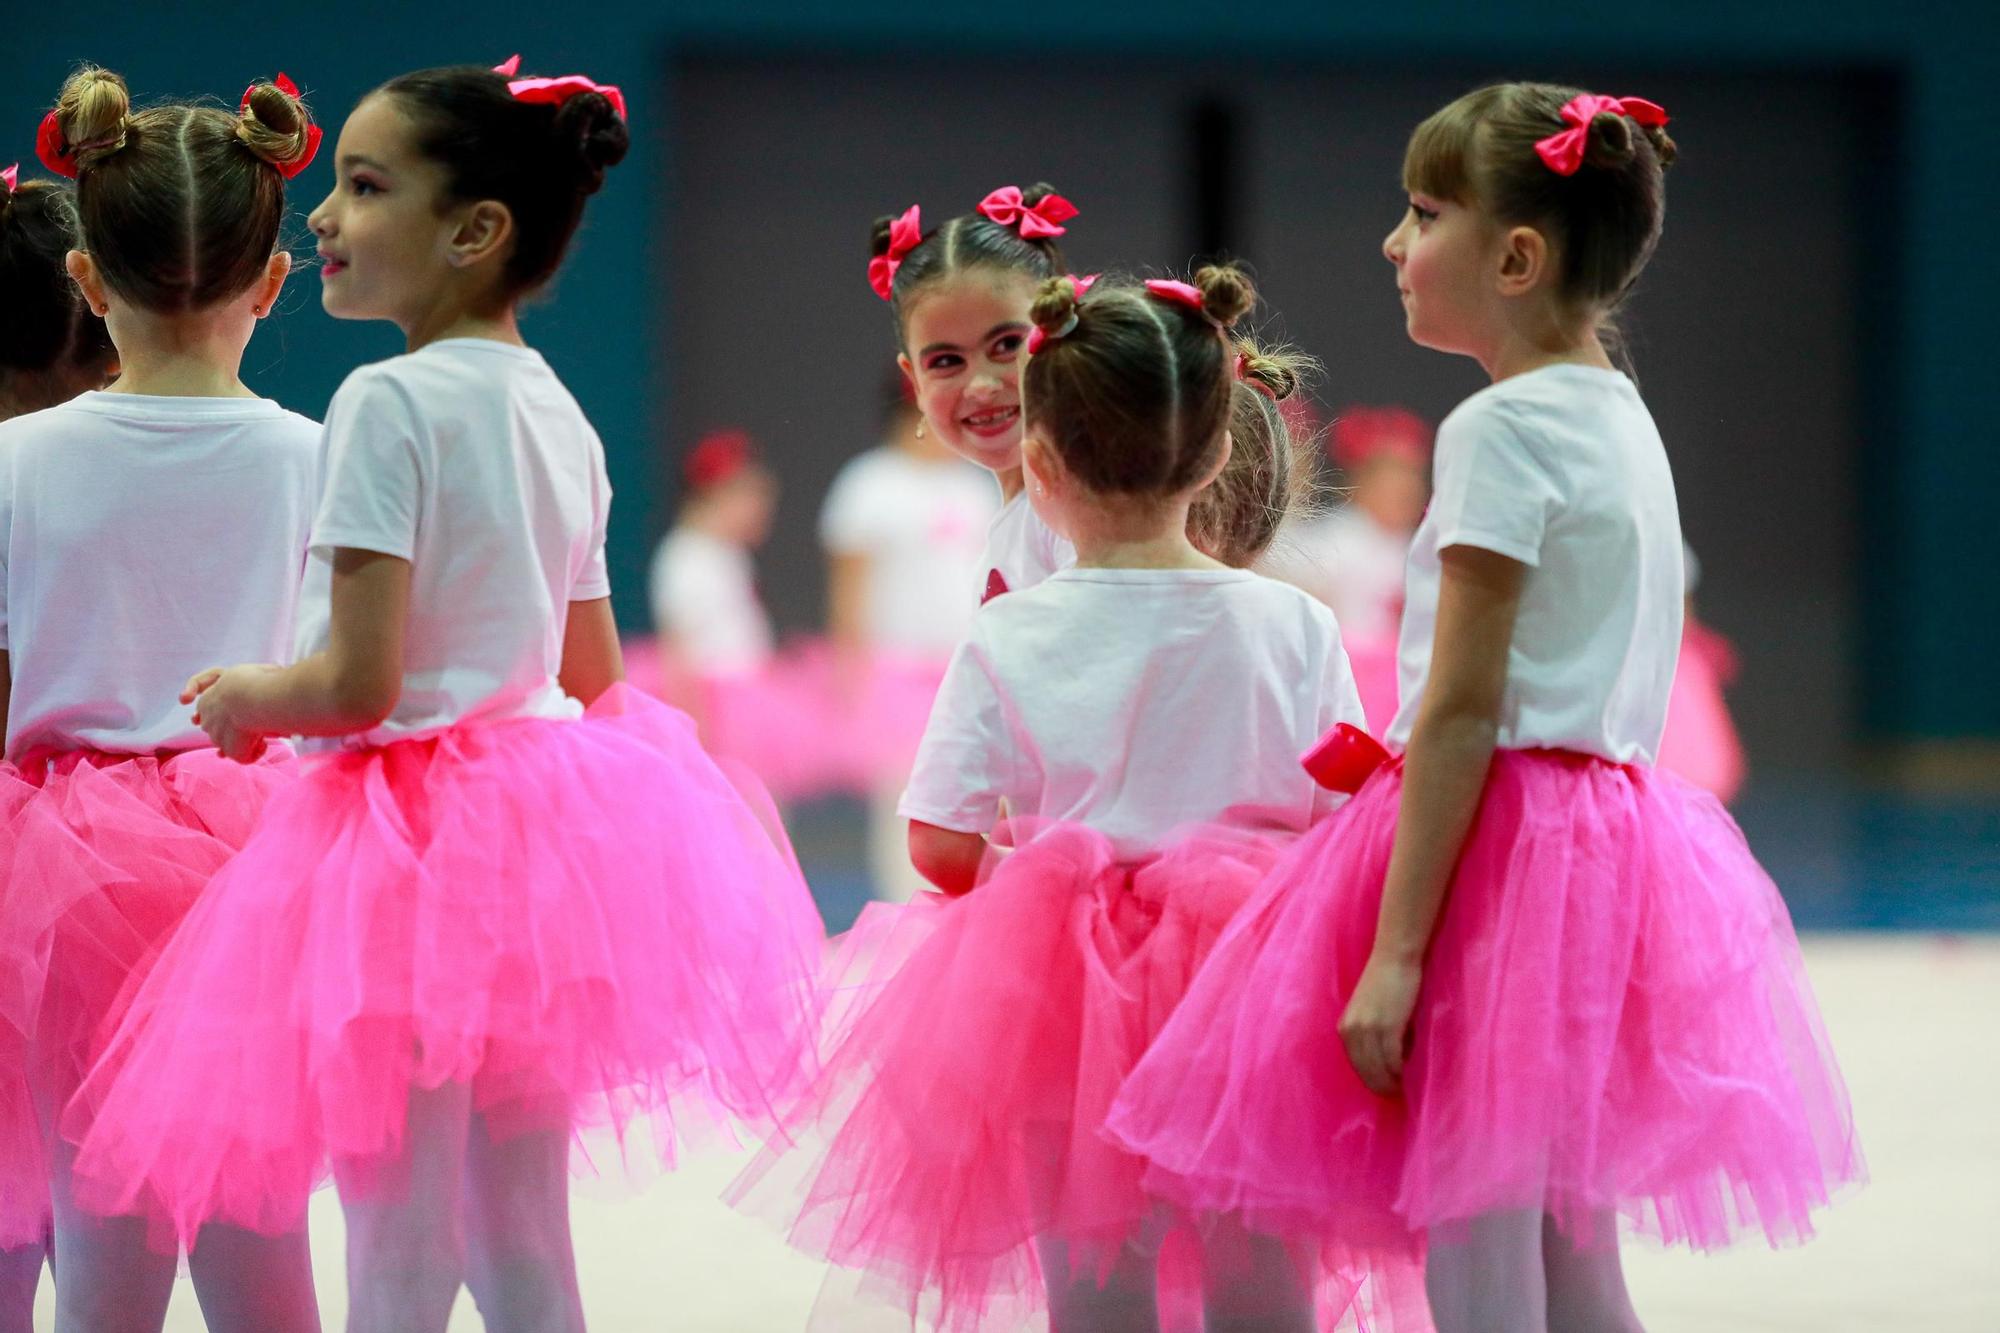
1524, 987
143, 528
52, 349
960, 296
513, 899
1140, 715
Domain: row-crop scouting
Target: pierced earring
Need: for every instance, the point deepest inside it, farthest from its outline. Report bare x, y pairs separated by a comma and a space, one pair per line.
920, 428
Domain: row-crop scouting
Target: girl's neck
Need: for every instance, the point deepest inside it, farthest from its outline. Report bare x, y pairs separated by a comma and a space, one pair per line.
1545, 339
180, 356
444, 322
1011, 483
1133, 534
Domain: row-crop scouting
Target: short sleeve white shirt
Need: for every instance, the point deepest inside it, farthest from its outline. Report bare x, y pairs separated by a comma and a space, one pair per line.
469, 459
704, 594
1137, 702
145, 539
1563, 470
1021, 550
921, 524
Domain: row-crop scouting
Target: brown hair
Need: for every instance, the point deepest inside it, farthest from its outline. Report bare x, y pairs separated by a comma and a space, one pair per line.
1134, 391
1604, 220
540, 160
180, 204
969, 241
51, 346
1269, 476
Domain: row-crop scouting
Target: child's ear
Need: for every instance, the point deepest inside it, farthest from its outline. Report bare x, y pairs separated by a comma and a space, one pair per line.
1525, 260
82, 270
275, 272
484, 230
1046, 474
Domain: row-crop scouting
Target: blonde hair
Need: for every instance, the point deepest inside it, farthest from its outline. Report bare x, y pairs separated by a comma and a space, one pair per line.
1269, 476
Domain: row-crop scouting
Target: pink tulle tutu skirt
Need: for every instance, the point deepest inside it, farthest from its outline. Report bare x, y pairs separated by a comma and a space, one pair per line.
582, 920
975, 1046
102, 855
1701, 743
1614, 1020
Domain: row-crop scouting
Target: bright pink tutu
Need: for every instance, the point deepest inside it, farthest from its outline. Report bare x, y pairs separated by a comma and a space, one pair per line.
1374, 664
976, 1044
1701, 743
582, 920
1614, 1016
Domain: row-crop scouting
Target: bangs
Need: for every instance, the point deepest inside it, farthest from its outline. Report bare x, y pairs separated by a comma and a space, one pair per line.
1438, 162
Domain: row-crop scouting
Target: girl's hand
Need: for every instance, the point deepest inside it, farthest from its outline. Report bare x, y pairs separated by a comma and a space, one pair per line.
1375, 1026
221, 698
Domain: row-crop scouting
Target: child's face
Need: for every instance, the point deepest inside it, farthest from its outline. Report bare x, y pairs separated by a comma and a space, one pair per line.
966, 337
1444, 256
383, 239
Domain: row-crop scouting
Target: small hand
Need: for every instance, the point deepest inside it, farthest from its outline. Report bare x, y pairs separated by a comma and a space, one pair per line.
219, 696
1375, 1026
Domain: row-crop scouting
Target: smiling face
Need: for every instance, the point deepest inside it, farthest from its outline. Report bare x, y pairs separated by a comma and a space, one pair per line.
385, 232
965, 336
1446, 259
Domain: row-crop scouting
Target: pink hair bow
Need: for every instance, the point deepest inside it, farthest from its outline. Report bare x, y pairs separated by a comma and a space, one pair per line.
905, 233
1038, 338
1563, 152
556, 91
313, 132
11, 177
1177, 292
1045, 219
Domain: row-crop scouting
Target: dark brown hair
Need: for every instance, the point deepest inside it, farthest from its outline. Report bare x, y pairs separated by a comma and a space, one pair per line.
540, 160
179, 203
51, 346
1134, 391
969, 241
1604, 221
1269, 476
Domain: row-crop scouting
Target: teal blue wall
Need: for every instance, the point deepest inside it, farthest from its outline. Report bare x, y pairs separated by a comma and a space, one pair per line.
1932, 477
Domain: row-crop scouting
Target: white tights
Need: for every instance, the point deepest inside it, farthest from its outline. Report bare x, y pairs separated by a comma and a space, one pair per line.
1250, 1285
1517, 1272
20, 1274
459, 1207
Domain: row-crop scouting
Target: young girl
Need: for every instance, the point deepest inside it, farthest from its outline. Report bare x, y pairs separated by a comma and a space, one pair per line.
52, 348
516, 898
1141, 715
960, 296
142, 529
1523, 984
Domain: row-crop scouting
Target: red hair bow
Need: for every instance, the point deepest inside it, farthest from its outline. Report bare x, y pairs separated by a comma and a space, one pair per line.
1045, 219
50, 149
1363, 433
313, 132
719, 457
1563, 152
556, 91
905, 233
11, 177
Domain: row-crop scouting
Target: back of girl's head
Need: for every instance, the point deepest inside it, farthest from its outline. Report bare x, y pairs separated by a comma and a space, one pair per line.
1604, 217
1134, 386
51, 346
179, 204
541, 159
971, 241
1269, 475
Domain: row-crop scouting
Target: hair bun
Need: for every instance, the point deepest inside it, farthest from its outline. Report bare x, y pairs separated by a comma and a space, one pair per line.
1279, 375
879, 236
93, 111
1054, 310
275, 125
593, 125
1664, 147
1037, 192
1227, 293
1611, 143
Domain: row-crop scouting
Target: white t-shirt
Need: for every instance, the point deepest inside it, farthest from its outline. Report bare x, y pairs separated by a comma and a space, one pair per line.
145, 539
1561, 469
704, 594
922, 526
469, 459
1136, 701
1353, 564
1021, 549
